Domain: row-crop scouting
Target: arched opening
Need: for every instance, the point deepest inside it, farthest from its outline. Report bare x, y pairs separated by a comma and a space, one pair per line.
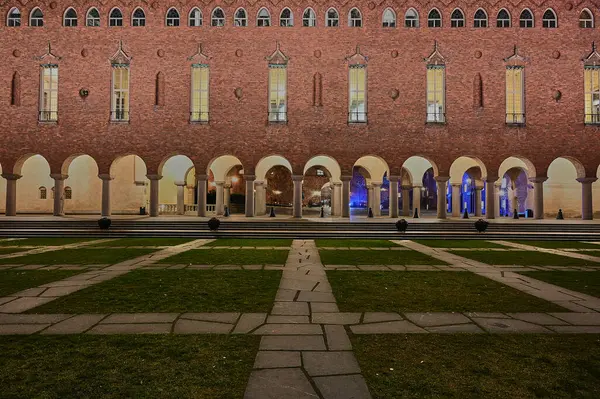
467, 187
422, 195
226, 185
35, 172
514, 189
129, 190
322, 186
273, 186
174, 171
369, 182
86, 187
2, 192
562, 190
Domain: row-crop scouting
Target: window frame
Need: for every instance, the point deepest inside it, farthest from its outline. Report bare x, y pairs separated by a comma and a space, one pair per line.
70, 22
521, 120
524, 22
172, 21
332, 19
393, 23
312, 17
586, 21
33, 18
197, 21
592, 118
215, 21
289, 21
89, 18
457, 22
113, 22
14, 21
48, 109
550, 23
498, 19
477, 22
355, 22
357, 120
434, 22
438, 117
43, 193
415, 21
263, 21
115, 111
200, 90
68, 193
278, 117
135, 21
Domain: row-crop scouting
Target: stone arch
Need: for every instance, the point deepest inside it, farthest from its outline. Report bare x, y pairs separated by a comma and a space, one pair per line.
35, 172
417, 165
129, 184
463, 164
376, 166
517, 161
326, 162
81, 173
562, 190
172, 172
314, 184
266, 163
220, 166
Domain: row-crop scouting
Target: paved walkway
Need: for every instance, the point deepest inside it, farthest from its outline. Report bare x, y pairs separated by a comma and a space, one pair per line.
34, 297
48, 248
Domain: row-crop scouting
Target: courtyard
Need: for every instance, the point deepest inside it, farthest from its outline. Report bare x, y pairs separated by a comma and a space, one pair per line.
283, 318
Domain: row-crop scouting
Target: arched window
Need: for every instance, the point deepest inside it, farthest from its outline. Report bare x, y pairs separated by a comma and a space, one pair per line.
36, 17
115, 18
586, 19
217, 17
70, 17
434, 19
43, 193
264, 17
457, 19
14, 17
92, 18
549, 19
389, 18
503, 19
309, 18
138, 18
480, 20
354, 18
411, 18
240, 18
172, 17
195, 18
332, 18
286, 18
52, 192
68, 193
526, 19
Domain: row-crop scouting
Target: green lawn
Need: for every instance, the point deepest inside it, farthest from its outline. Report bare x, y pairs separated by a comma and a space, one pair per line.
480, 366
12, 281
83, 366
524, 258
44, 241
427, 291
559, 244
144, 242
229, 257
459, 244
83, 256
251, 242
584, 282
174, 291
373, 257
324, 242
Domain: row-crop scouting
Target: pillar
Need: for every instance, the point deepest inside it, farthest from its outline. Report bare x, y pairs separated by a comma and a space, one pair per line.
376, 203
587, 211
261, 200
346, 196
154, 180
249, 179
11, 193
456, 199
201, 187
180, 197
297, 211
394, 196
59, 189
491, 199
336, 199
538, 196
498, 186
219, 197
227, 195
406, 200
478, 201
106, 206
441, 182
417, 199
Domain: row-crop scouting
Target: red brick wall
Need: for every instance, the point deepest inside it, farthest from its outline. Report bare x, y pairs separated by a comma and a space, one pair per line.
396, 129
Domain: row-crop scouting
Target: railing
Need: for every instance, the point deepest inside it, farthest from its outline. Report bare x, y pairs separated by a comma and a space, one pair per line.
357, 117
516, 119
199, 117
436, 117
190, 208
119, 115
592, 119
48, 116
278, 116
171, 209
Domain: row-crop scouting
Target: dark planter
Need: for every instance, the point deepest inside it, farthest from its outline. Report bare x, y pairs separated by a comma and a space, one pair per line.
214, 224
481, 225
401, 225
560, 215
104, 223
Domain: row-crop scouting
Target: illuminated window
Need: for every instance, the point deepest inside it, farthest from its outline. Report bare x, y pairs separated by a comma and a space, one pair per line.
435, 93
457, 19
434, 19
120, 93
70, 17
199, 101
332, 18
389, 18
355, 18
286, 18
264, 17
549, 19
309, 18
92, 18
515, 95
592, 94
14, 17
586, 19
43, 193
37, 18
217, 18
277, 93
49, 93
411, 18
357, 106
480, 20
240, 18
68, 193
138, 18
195, 18
526, 19
115, 18
503, 19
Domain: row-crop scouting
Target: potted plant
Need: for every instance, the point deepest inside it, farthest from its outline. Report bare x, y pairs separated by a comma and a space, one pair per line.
214, 224
481, 225
401, 225
104, 223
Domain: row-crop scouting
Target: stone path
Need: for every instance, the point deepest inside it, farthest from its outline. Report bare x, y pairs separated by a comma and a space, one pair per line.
549, 251
34, 297
297, 358
42, 249
572, 300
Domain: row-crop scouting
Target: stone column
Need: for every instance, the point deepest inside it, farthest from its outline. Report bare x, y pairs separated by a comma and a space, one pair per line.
297, 211
249, 179
417, 199
376, 203
11, 193
336, 199
538, 194
346, 196
201, 187
106, 205
180, 197
478, 201
227, 195
587, 210
219, 197
154, 183
394, 196
59, 190
406, 200
441, 182
260, 195
491, 199
456, 199
498, 187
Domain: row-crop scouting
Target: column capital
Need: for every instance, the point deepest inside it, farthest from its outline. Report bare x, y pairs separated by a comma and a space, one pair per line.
60, 176
259, 182
344, 178
11, 176
417, 186
587, 180
154, 177
405, 187
227, 185
248, 178
104, 176
442, 179
297, 177
219, 183
201, 177
376, 184
538, 179
456, 184
336, 183
394, 178
180, 183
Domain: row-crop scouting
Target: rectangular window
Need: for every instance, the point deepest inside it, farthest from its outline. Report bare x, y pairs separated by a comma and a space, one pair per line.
49, 94
199, 103
357, 106
436, 112
515, 95
592, 94
277, 93
120, 94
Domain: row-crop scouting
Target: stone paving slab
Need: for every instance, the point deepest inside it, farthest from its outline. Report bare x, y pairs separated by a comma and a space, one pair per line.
133, 318
343, 387
315, 296
277, 359
543, 319
229, 317
32, 318
248, 322
336, 318
293, 343
21, 329
288, 383
183, 326
154, 328
582, 319
75, 325
323, 307
389, 327
290, 309
287, 319
330, 363
576, 329
337, 338
374, 317
509, 326
23, 304
289, 329
455, 329
437, 319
